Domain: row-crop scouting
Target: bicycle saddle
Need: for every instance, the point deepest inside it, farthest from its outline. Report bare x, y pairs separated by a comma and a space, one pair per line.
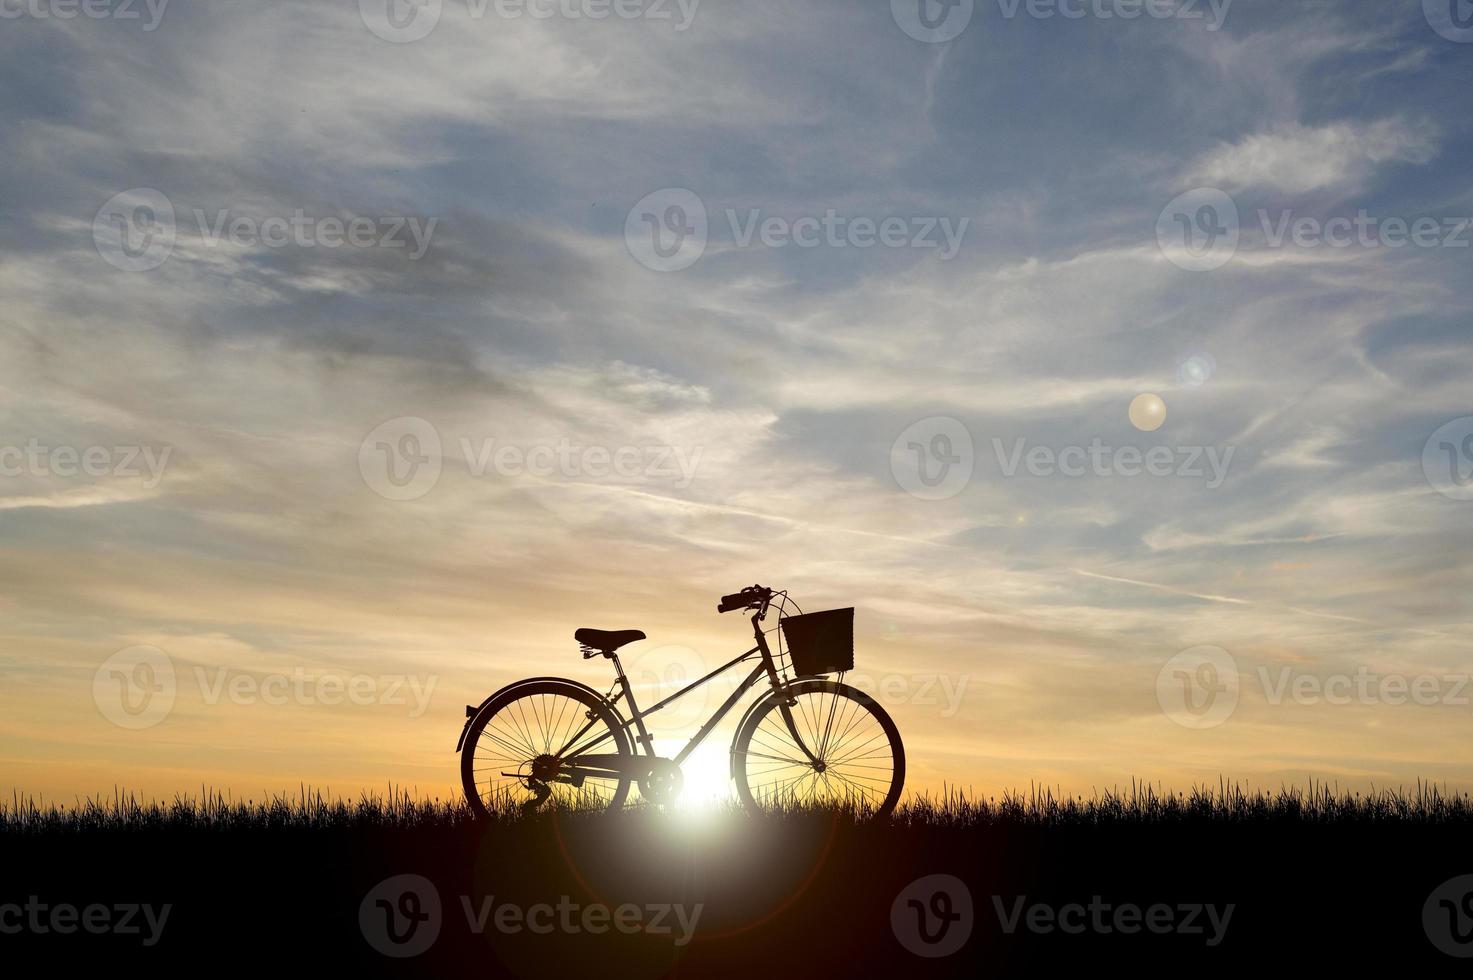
607, 641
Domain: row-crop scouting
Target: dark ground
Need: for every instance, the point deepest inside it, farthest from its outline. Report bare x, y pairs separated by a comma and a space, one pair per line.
793, 895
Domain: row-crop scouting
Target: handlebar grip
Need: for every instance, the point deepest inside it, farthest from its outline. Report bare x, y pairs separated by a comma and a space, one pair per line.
737, 600
745, 599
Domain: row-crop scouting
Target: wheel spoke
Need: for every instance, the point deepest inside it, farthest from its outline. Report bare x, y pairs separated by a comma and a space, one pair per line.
779, 758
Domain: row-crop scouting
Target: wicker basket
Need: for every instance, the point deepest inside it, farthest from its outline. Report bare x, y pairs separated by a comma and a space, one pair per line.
821, 642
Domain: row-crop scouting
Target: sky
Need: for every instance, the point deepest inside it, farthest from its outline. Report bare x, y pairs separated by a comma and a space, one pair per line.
1113, 367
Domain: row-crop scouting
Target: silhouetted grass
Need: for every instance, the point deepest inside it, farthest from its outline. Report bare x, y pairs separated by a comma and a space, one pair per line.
1144, 804
398, 809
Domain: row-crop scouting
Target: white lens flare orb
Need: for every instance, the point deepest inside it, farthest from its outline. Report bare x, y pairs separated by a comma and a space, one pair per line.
1196, 371
1148, 412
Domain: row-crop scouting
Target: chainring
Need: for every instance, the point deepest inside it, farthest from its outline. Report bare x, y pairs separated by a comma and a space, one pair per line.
662, 783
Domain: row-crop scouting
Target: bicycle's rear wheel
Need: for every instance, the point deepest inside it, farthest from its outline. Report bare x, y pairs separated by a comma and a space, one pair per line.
510, 758
860, 761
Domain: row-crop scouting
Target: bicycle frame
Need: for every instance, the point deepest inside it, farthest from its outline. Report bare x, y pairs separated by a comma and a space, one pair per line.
635, 764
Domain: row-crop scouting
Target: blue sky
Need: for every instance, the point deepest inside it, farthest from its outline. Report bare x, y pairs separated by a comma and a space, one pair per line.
790, 379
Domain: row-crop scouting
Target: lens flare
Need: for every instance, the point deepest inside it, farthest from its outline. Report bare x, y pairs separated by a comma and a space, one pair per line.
1148, 412
1196, 371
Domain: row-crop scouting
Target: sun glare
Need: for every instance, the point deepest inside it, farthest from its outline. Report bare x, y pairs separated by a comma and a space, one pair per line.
708, 783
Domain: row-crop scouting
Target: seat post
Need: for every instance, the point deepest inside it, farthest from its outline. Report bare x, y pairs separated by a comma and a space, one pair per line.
624, 684
643, 738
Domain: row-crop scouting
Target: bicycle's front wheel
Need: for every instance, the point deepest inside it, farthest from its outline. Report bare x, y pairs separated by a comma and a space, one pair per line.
853, 755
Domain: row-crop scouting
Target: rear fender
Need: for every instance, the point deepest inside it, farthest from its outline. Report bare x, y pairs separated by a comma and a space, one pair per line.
471, 710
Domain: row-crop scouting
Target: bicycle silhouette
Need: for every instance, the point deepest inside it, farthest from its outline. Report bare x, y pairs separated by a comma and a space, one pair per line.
807, 741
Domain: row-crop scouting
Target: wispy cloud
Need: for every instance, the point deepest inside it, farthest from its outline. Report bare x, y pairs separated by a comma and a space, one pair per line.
1294, 159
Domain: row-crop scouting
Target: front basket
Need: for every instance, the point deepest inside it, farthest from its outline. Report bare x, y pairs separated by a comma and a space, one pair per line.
821, 642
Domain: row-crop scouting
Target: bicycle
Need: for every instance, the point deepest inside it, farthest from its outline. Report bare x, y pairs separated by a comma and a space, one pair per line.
807, 741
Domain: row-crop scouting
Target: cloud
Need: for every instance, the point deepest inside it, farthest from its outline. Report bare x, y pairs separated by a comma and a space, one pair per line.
1296, 159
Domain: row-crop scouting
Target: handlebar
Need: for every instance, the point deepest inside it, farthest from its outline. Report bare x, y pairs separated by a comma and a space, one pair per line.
752, 597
